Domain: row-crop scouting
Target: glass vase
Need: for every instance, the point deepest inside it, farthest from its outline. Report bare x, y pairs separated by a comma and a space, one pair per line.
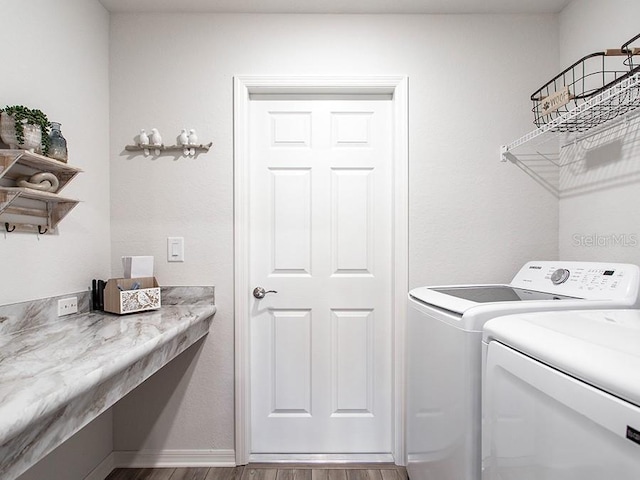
57, 143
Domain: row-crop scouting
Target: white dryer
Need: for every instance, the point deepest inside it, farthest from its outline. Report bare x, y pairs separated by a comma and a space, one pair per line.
444, 352
562, 396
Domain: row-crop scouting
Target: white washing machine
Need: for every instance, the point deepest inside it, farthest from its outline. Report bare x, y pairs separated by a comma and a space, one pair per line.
444, 352
562, 396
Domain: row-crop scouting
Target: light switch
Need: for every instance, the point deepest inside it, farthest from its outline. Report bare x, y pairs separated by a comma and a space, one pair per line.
175, 249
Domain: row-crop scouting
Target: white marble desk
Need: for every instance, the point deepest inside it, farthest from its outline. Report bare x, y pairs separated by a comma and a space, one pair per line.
59, 375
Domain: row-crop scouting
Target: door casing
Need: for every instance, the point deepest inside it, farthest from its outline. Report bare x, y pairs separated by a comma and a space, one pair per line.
244, 87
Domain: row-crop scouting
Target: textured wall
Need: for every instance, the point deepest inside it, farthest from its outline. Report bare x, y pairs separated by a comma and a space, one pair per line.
78, 456
56, 58
599, 214
472, 218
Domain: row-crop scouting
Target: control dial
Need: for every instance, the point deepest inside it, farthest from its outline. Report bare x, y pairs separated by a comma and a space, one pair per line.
560, 276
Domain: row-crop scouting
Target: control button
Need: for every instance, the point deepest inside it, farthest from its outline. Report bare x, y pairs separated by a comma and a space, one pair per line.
560, 276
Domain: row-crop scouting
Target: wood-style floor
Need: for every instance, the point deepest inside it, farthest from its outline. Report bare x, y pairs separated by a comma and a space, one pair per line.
266, 472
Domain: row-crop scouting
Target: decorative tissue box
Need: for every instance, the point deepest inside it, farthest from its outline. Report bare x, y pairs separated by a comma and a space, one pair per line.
120, 296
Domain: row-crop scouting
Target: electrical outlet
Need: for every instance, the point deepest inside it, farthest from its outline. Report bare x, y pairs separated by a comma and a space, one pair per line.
67, 306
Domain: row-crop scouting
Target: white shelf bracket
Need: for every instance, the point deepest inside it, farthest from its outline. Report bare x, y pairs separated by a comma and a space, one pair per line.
505, 154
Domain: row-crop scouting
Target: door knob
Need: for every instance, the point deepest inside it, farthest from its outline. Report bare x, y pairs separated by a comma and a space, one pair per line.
260, 292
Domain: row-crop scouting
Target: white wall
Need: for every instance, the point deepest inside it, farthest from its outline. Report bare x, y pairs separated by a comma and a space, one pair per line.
78, 456
55, 58
473, 219
599, 205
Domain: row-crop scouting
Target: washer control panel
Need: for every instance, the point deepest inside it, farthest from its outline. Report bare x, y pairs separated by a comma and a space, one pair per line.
589, 280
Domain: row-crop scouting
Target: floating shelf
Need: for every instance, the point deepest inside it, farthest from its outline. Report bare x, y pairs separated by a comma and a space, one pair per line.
538, 152
168, 148
28, 210
22, 163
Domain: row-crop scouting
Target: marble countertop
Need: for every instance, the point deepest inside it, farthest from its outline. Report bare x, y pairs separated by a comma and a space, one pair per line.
56, 377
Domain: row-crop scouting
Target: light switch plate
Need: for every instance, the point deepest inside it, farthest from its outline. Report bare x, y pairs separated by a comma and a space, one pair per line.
175, 249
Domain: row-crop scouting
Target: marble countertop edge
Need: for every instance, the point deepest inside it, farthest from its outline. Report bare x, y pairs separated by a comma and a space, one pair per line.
19, 413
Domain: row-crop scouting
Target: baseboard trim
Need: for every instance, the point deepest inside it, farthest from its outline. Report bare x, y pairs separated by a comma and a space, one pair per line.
103, 470
221, 458
175, 458
322, 458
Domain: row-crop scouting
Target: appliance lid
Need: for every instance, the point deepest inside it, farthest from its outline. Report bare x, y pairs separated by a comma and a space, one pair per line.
461, 298
599, 347
604, 283
498, 293
430, 296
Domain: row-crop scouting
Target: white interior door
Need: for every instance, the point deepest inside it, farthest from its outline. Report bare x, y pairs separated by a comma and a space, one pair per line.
321, 236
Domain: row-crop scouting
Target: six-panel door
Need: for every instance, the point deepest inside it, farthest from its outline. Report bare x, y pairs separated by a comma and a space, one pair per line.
321, 230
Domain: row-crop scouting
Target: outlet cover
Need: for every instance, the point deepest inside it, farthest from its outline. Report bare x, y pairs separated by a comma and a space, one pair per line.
67, 306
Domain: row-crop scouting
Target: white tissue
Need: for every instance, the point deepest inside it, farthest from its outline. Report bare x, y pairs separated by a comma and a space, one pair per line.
137, 266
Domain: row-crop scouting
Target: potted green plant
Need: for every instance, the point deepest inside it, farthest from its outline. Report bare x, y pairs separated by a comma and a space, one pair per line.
22, 127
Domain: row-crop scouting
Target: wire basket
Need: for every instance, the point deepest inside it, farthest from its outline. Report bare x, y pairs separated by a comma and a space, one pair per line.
586, 78
633, 53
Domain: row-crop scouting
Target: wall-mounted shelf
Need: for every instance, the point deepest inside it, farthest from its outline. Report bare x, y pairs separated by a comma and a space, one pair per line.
22, 163
539, 152
25, 209
168, 148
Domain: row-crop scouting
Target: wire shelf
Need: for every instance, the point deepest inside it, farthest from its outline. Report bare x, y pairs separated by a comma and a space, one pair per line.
573, 127
538, 152
589, 77
617, 100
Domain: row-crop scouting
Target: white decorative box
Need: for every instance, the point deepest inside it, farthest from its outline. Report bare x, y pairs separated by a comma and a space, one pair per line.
121, 296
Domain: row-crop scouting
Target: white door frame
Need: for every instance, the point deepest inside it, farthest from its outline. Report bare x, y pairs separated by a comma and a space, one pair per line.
244, 86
